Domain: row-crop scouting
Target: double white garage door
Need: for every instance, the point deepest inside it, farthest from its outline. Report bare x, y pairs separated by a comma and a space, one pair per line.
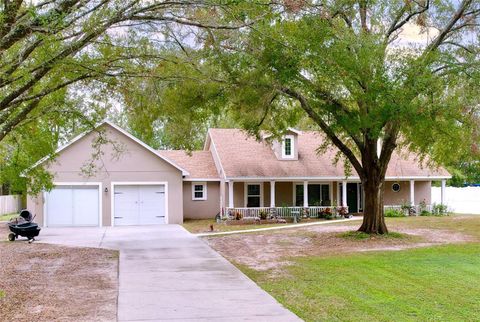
74, 205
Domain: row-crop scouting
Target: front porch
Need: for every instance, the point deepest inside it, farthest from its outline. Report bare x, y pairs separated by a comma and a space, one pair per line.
315, 199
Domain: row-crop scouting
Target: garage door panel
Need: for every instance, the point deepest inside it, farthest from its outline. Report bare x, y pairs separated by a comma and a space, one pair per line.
85, 207
59, 207
126, 205
73, 206
139, 205
152, 207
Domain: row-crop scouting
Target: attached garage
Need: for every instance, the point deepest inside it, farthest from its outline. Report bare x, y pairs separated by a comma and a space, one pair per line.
139, 204
130, 183
73, 205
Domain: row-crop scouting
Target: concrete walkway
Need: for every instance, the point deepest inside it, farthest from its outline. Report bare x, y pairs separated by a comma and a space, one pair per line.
166, 273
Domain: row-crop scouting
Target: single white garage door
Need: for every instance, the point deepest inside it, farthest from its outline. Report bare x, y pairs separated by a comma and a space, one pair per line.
72, 206
139, 205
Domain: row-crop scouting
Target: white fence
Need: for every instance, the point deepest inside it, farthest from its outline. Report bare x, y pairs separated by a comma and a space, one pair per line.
464, 200
10, 204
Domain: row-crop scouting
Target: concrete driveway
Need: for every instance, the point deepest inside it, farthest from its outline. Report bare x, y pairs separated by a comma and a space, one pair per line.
166, 273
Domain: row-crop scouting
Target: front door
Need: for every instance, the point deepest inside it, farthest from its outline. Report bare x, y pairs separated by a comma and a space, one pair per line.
352, 197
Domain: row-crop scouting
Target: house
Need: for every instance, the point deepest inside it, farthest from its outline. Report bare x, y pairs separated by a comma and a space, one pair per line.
133, 184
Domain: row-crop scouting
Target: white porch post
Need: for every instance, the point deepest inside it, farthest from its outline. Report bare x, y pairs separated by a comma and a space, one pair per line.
412, 193
272, 194
230, 194
344, 193
305, 194
442, 191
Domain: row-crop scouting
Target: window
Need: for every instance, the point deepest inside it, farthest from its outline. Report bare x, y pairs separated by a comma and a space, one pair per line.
396, 187
318, 195
325, 194
199, 191
299, 195
288, 147
254, 194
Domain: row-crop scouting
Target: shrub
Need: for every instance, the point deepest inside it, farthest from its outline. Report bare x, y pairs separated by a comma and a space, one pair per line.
326, 213
439, 210
425, 213
263, 215
238, 216
342, 211
394, 213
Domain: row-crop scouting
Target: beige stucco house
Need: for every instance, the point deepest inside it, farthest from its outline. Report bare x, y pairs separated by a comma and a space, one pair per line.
126, 182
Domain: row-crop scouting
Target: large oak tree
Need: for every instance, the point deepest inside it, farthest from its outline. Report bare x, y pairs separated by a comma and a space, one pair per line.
371, 75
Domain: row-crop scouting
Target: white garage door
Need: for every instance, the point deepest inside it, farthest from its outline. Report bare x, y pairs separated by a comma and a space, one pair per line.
139, 205
72, 206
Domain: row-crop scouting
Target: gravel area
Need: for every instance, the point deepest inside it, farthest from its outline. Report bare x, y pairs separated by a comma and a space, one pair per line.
41, 282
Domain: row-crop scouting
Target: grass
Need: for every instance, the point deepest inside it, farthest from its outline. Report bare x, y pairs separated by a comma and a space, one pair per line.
7, 217
203, 225
2, 294
466, 224
427, 284
361, 235
435, 283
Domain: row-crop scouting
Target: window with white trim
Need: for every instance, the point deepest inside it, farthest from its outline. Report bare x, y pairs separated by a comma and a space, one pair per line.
288, 146
254, 195
199, 191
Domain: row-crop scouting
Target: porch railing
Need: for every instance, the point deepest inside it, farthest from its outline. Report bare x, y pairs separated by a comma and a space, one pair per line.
291, 212
279, 212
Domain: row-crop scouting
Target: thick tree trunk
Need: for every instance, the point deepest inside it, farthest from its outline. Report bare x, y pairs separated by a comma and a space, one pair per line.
373, 217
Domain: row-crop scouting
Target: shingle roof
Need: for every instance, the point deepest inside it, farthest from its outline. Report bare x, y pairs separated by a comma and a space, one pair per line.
199, 164
243, 156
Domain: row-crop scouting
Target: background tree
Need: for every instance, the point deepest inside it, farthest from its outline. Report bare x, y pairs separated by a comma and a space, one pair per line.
351, 69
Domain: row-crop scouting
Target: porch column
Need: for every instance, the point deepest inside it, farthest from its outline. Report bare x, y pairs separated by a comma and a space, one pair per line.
272, 194
344, 193
222, 195
305, 194
442, 191
230, 194
412, 193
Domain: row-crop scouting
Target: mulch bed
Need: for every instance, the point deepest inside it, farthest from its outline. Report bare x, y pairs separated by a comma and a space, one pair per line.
41, 282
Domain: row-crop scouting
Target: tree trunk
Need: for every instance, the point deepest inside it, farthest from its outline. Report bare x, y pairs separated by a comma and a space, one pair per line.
373, 217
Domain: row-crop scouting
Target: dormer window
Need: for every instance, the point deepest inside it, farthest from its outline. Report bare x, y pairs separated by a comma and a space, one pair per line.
288, 146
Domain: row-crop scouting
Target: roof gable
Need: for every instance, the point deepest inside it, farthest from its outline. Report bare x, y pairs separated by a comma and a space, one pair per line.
123, 132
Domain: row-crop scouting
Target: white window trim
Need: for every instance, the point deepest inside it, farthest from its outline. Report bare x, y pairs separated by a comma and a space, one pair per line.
245, 192
330, 189
199, 183
292, 147
399, 187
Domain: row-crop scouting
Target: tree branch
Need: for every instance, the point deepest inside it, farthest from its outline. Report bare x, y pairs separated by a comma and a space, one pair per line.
326, 129
398, 23
449, 27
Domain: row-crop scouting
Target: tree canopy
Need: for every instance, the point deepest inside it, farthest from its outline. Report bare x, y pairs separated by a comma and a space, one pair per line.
373, 76
61, 62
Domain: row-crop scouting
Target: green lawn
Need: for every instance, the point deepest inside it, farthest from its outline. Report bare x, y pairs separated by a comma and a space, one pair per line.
7, 217
425, 284
435, 283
